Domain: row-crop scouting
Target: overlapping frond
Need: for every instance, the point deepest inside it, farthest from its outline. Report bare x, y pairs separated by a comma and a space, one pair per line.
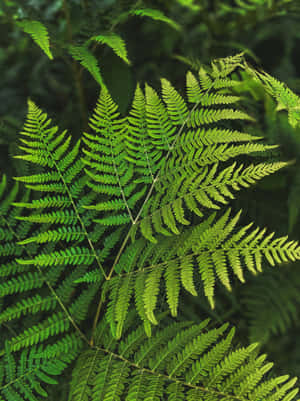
180, 362
41, 274
61, 176
110, 173
26, 379
285, 97
211, 251
271, 303
163, 168
209, 187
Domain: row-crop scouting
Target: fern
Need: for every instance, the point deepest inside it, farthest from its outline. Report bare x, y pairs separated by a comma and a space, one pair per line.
39, 34
152, 13
23, 380
131, 214
182, 361
87, 60
115, 42
214, 249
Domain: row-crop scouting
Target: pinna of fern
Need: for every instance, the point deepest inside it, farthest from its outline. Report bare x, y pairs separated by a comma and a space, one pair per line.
57, 304
181, 361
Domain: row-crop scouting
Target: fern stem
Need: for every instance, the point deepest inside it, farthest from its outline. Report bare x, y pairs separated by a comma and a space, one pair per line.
91, 342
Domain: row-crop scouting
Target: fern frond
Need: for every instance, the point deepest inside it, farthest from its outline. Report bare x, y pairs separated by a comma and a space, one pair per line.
206, 188
155, 14
182, 362
24, 380
215, 250
72, 256
285, 97
31, 305
115, 42
139, 147
39, 34
106, 165
88, 61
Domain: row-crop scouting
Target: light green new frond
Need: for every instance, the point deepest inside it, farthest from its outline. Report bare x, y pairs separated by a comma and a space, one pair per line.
176, 106
88, 61
208, 116
106, 165
115, 42
139, 148
205, 188
185, 363
196, 94
159, 125
39, 34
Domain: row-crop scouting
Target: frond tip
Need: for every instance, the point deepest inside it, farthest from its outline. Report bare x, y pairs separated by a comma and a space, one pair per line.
39, 34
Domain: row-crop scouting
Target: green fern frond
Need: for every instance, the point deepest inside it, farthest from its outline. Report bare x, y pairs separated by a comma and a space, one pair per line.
115, 42
88, 61
39, 34
139, 147
30, 305
285, 97
182, 362
106, 164
24, 380
205, 188
155, 14
215, 250
61, 234
197, 93
72, 256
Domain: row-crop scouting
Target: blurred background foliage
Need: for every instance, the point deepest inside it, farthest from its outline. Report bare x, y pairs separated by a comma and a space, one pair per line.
167, 39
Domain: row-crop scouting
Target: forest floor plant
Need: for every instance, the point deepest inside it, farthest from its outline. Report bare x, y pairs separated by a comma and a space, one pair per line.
105, 236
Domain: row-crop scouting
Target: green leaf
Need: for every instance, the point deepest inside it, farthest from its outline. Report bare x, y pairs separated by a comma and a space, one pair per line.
39, 34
